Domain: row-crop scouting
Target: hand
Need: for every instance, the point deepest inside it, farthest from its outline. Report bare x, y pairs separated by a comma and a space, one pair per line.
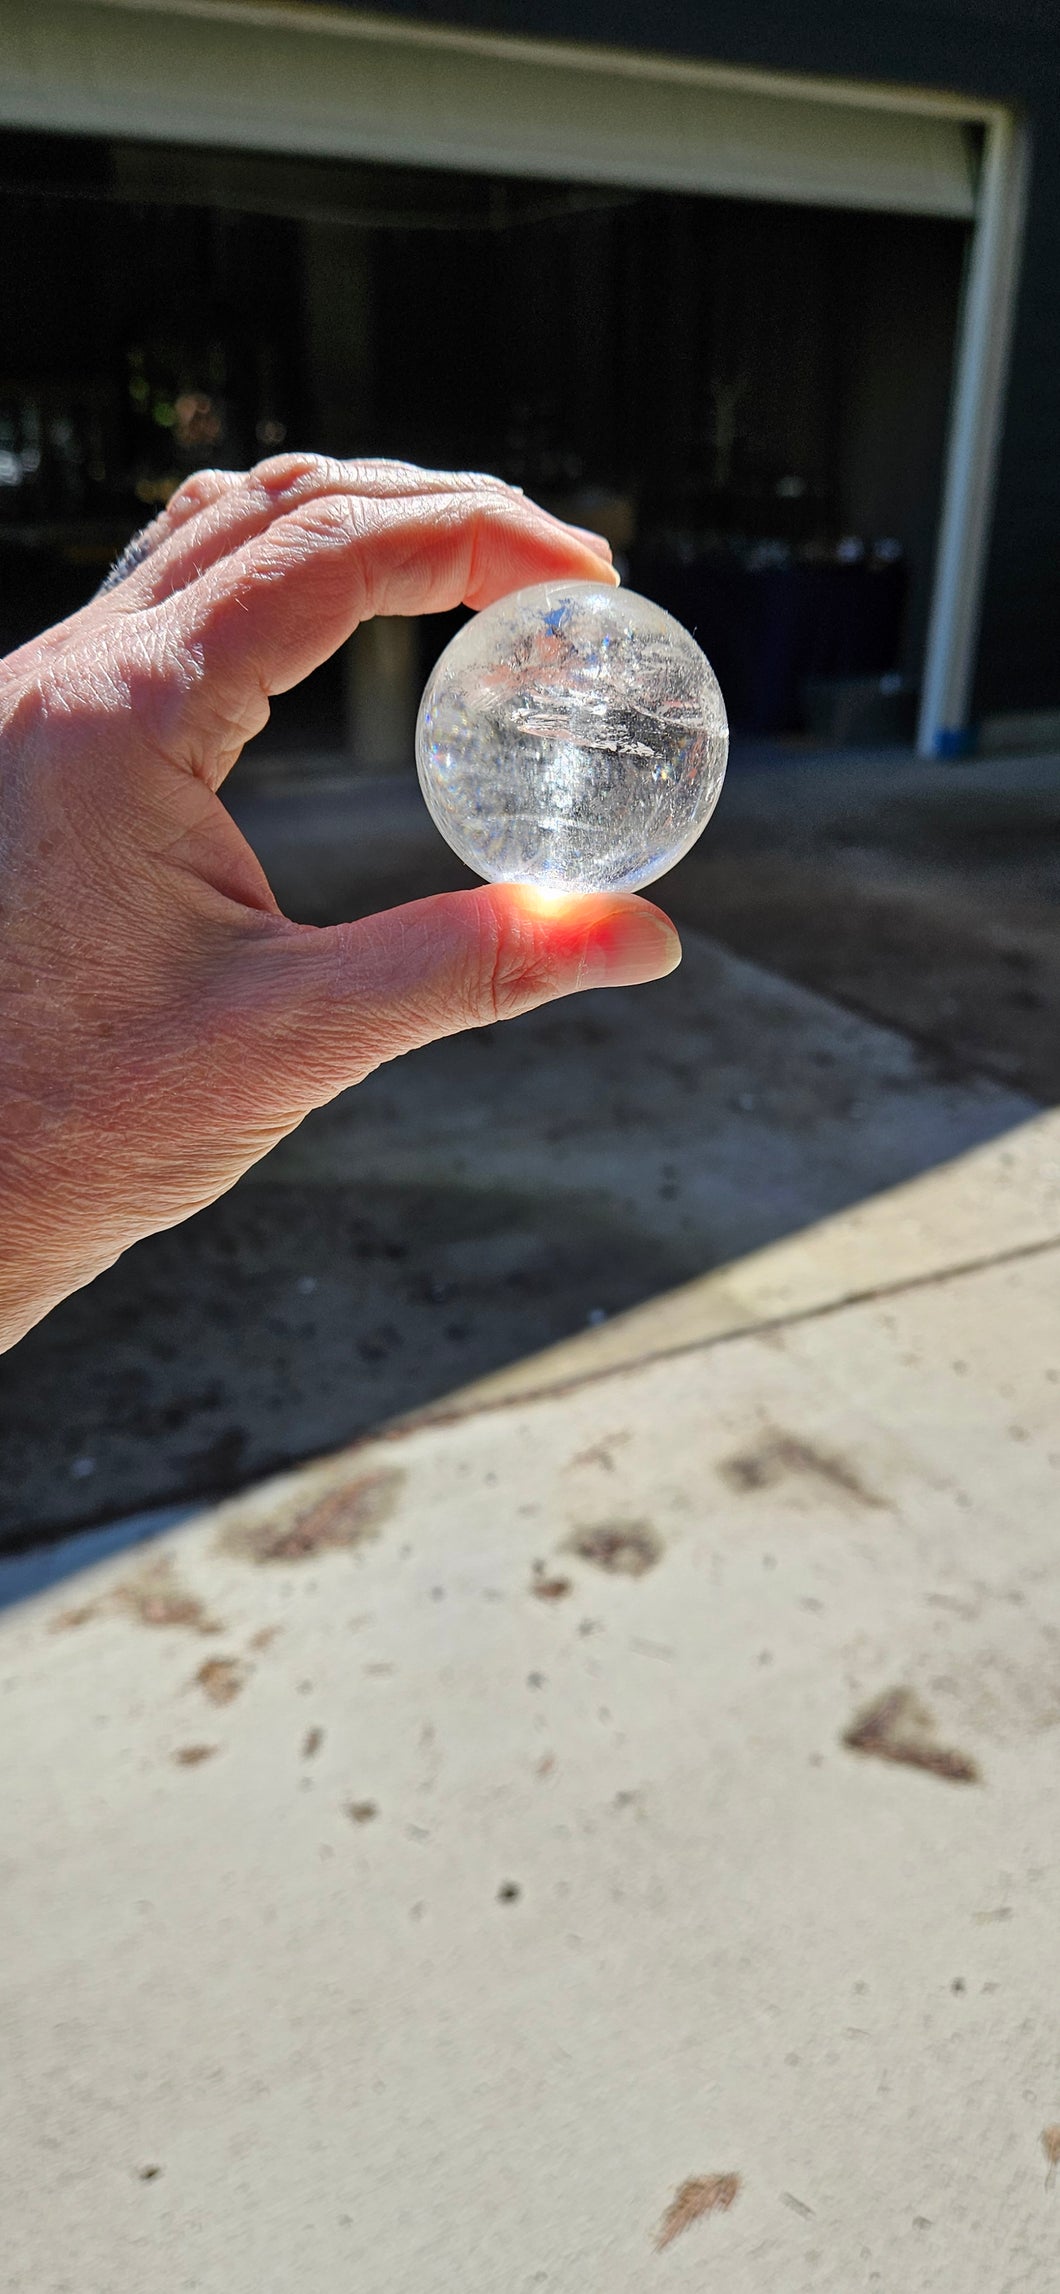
161, 1023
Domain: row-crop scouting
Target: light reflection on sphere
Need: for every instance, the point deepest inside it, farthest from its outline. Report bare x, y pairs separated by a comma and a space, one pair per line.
572, 737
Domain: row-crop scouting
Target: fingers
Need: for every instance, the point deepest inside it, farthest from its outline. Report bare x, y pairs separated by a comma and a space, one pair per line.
260, 618
326, 1007
150, 543
216, 512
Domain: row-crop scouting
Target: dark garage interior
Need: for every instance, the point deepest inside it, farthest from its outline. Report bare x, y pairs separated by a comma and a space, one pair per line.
750, 398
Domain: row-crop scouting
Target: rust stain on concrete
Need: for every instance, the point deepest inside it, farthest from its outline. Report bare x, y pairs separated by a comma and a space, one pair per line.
622, 1548
1051, 2147
779, 1456
694, 2201
547, 1588
344, 1517
898, 1727
221, 1679
156, 1596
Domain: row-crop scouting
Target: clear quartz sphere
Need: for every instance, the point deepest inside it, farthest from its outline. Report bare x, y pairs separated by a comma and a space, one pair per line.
572, 737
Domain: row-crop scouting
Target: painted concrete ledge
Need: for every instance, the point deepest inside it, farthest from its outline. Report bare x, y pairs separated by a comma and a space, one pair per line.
607, 1842
998, 1201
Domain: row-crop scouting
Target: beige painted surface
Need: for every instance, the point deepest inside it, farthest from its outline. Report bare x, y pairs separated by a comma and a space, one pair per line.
1001, 1200
615, 1909
339, 83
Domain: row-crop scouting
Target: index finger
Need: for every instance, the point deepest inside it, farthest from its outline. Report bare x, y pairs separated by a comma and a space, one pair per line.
260, 619
215, 512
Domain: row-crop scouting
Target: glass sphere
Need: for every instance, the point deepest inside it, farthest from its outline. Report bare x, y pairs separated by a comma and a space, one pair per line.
572, 737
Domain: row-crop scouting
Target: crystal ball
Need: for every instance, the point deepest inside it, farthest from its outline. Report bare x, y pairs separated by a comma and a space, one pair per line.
572, 737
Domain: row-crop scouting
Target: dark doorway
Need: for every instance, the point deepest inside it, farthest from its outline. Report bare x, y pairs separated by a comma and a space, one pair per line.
751, 399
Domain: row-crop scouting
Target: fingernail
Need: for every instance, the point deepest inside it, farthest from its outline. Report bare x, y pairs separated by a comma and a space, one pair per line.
606, 572
634, 944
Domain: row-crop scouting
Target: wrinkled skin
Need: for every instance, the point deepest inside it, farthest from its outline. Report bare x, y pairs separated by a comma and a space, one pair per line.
161, 1023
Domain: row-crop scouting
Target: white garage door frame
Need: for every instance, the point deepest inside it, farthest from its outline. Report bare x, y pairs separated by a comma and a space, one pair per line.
328, 81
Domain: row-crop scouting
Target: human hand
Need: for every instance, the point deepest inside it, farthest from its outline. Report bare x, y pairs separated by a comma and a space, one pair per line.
162, 1025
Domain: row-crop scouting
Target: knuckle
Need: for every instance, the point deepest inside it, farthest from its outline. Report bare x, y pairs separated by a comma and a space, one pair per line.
486, 505
379, 474
285, 473
197, 492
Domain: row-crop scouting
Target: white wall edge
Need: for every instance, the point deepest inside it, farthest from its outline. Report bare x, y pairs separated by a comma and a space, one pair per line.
980, 376
353, 24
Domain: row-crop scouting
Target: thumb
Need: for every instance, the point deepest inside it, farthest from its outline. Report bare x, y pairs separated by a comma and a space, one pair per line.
334, 1004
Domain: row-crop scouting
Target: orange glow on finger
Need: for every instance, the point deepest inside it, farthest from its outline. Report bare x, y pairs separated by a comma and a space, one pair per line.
546, 899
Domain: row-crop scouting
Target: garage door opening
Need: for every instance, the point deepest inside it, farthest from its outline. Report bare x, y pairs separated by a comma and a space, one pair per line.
247, 78
749, 397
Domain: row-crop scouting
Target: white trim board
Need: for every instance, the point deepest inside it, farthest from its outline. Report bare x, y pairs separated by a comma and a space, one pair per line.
338, 22
266, 79
334, 82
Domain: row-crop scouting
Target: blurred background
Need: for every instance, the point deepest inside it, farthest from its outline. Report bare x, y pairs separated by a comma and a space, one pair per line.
763, 345
749, 398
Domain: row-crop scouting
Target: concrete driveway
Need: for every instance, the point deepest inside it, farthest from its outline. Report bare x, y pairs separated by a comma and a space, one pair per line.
885, 1000
602, 1837
461, 1210
599, 1832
